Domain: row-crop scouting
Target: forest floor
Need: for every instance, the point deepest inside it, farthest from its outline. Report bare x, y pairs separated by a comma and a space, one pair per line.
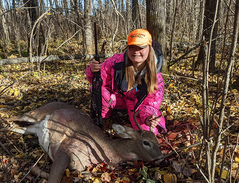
66, 81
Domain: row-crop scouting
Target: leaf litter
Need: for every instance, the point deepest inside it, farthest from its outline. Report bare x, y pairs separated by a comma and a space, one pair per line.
66, 81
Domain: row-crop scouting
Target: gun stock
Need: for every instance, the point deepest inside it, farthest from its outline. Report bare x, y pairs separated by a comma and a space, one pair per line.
96, 102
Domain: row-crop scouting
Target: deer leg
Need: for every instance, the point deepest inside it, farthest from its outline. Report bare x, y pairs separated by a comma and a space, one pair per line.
20, 130
61, 161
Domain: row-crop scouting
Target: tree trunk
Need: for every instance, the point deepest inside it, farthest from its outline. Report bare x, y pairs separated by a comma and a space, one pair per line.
57, 6
77, 16
128, 16
15, 23
67, 20
172, 30
135, 14
200, 20
156, 23
5, 26
210, 9
142, 12
101, 20
168, 15
32, 16
41, 35
122, 22
88, 39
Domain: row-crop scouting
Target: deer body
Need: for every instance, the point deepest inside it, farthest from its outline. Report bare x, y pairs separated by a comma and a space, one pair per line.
71, 139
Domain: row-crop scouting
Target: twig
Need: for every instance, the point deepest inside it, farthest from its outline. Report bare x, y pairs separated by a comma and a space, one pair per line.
32, 167
14, 146
109, 27
117, 23
182, 148
30, 49
232, 157
60, 46
5, 149
180, 77
202, 173
191, 135
18, 8
236, 175
229, 126
117, 12
71, 21
174, 151
13, 83
182, 57
223, 158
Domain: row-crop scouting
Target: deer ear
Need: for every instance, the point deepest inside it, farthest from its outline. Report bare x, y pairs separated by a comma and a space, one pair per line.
124, 131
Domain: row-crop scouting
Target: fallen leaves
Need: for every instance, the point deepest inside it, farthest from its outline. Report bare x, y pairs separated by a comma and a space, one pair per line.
181, 107
105, 177
224, 173
170, 178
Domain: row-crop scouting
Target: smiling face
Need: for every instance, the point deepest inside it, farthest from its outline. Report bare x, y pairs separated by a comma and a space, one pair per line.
138, 55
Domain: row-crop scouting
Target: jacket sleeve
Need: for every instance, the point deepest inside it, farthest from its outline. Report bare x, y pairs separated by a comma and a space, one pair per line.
107, 76
105, 71
152, 102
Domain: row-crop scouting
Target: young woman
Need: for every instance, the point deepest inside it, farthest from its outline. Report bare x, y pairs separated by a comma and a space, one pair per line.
132, 81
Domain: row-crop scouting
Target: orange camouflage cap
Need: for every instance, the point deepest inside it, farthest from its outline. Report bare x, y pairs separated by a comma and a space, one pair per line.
140, 37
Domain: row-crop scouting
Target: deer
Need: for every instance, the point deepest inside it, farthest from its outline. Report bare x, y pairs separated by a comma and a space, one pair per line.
72, 140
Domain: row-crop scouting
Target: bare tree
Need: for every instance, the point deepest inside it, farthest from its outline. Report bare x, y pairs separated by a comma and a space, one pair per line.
156, 22
15, 23
215, 135
76, 7
32, 15
88, 39
136, 14
210, 9
231, 60
200, 20
4, 25
172, 29
168, 15
128, 16
67, 20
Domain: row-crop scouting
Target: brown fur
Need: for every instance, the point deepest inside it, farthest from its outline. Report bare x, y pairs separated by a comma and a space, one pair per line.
71, 139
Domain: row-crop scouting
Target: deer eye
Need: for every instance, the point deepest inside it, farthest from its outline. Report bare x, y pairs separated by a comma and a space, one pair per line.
146, 143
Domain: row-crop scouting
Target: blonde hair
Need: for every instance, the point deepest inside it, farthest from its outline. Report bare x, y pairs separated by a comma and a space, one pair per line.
149, 75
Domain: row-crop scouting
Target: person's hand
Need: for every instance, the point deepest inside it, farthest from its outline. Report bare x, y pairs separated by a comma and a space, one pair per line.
152, 121
95, 66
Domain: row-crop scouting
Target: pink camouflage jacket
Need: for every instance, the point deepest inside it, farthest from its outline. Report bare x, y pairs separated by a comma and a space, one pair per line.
136, 99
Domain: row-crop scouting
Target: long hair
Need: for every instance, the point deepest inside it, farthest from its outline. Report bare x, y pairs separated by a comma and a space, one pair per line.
149, 75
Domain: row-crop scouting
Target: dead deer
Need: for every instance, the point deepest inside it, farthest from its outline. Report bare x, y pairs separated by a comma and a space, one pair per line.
71, 139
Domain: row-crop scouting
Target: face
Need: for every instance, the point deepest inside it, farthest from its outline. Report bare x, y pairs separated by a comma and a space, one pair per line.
138, 55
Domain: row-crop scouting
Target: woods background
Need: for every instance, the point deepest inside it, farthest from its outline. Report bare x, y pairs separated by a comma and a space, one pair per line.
199, 40
175, 24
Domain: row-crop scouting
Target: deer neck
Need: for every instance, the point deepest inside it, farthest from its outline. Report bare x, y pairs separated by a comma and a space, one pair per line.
119, 150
